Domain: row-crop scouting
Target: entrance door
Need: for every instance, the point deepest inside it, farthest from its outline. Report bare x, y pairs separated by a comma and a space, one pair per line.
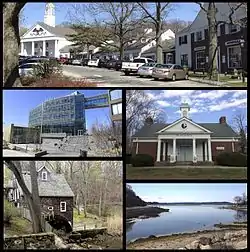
186, 153
80, 132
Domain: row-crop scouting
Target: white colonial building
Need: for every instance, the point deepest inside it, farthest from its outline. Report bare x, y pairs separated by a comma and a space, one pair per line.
45, 38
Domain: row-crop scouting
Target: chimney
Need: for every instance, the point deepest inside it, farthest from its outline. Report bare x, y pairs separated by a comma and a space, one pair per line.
149, 121
223, 120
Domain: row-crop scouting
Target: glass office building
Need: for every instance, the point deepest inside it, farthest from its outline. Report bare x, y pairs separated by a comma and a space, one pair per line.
67, 114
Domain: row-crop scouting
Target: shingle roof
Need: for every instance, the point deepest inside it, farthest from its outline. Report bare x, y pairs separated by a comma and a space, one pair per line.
219, 130
56, 187
167, 45
137, 45
57, 30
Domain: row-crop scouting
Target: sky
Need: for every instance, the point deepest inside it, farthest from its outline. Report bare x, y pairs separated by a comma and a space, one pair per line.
205, 105
189, 192
34, 12
18, 103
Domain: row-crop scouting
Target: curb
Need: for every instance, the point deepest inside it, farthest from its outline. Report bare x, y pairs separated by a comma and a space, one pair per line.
212, 83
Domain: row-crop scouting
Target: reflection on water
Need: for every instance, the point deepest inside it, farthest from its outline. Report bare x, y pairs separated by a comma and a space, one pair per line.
183, 219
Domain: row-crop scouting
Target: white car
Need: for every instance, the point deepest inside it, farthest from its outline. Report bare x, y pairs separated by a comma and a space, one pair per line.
146, 69
27, 68
77, 62
93, 62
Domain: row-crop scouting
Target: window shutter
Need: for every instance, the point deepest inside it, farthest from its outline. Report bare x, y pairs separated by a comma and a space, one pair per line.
192, 37
218, 30
179, 40
185, 39
195, 37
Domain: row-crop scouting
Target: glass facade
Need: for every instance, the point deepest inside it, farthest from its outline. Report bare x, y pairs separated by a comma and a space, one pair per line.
115, 94
60, 115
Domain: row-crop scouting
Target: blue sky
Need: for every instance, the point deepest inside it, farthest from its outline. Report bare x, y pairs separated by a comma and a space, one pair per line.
206, 106
18, 103
189, 192
34, 12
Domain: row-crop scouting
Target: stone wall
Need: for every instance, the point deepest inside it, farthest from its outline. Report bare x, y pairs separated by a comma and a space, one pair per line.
31, 241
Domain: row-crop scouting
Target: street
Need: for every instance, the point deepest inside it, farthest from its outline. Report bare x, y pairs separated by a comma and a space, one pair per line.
106, 78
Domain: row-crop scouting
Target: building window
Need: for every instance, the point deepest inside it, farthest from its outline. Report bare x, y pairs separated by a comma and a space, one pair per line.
115, 94
36, 45
184, 60
232, 28
169, 58
63, 206
199, 36
183, 40
200, 60
234, 57
117, 109
44, 175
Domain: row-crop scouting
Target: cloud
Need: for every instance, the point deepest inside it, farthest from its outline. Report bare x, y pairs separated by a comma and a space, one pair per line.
163, 103
192, 111
225, 104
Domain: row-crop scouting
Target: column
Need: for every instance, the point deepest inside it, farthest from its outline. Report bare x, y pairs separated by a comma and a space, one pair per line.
44, 47
233, 146
159, 151
205, 145
164, 150
194, 149
174, 149
209, 150
55, 53
137, 147
22, 48
33, 48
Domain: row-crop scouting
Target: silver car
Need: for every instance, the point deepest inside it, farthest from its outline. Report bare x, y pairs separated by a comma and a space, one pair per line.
77, 62
146, 69
169, 71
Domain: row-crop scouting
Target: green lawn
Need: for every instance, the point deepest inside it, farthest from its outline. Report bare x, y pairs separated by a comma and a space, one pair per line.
18, 226
135, 173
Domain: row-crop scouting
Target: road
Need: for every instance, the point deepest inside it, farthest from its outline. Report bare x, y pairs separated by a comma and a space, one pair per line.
108, 78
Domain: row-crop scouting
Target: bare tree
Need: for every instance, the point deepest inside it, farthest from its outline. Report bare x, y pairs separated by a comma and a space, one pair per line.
237, 200
11, 12
211, 11
177, 25
139, 107
157, 12
239, 124
120, 22
32, 198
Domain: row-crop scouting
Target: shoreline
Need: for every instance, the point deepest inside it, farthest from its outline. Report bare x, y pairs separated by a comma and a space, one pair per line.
180, 240
218, 227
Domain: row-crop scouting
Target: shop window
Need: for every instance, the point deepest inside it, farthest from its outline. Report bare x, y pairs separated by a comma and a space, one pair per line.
200, 60
184, 60
234, 57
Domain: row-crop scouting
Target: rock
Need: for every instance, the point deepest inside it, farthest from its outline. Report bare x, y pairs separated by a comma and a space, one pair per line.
193, 245
152, 237
205, 247
205, 240
217, 237
241, 245
229, 236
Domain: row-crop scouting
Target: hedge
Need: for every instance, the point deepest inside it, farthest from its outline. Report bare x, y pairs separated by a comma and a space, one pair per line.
140, 160
232, 159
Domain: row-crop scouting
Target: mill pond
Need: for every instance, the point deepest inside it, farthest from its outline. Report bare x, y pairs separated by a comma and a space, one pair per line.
182, 219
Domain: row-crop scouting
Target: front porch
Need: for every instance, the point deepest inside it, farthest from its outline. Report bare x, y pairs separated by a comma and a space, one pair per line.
40, 48
184, 151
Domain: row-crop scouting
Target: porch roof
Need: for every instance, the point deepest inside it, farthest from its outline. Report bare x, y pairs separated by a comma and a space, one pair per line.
219, 130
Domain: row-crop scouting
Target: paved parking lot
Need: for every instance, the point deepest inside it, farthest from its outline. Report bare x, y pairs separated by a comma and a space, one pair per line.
106, 78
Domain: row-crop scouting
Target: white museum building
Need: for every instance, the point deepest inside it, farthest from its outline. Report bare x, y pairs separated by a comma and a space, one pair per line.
45, 38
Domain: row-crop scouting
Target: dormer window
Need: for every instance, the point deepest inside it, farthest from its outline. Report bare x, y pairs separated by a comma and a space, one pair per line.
44, 175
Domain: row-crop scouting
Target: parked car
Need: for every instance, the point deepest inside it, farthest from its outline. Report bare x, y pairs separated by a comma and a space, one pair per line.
85, 62
63, 60
132, 67
93, 62
33, 60
27, 68
169, 71
103, 63
114, 64
146, 70
77, 62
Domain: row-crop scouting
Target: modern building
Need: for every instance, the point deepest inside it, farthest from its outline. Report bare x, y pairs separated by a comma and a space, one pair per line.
20, 134
192, 42
45, 38
67, 114
185, 140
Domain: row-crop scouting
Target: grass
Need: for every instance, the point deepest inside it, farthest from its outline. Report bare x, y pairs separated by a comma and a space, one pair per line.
18, 226
114, 223
185, 173
78, 219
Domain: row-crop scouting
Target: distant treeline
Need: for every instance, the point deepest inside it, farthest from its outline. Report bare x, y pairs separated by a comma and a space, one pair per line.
191, 203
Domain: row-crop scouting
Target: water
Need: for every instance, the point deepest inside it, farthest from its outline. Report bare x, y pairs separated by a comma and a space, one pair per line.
181, 219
